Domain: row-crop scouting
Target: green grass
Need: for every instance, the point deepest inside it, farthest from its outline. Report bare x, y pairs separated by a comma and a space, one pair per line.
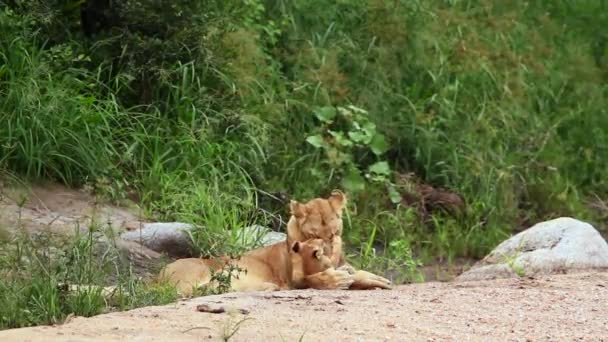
38, 269
504, 103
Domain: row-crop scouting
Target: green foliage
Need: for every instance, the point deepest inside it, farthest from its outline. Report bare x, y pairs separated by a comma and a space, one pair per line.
38, 272
50, 129
221, 280
396, 258
348, 139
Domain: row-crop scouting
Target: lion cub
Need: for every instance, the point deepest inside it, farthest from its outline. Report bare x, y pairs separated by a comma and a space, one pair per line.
321, 218
270, 268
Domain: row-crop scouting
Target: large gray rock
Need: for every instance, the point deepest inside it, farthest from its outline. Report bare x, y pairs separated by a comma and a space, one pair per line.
556, 246
173, 238
144, 262
257, 235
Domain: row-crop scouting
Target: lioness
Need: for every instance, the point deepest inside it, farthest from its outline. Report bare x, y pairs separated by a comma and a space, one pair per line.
322, 218
270, 268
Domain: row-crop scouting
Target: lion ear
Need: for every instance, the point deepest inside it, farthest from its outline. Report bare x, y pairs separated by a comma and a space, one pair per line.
337, 200
297, 209
295, 247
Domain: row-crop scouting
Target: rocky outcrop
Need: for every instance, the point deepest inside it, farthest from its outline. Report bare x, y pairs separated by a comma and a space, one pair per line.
260, 235
173, 238
557, 246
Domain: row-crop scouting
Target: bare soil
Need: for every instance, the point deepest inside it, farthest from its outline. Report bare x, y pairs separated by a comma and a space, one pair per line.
551, 308
61, 211
58, 209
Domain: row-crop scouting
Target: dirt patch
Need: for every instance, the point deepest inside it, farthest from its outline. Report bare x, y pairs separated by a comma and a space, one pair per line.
54, 207
59, 210
444, 270
560, 307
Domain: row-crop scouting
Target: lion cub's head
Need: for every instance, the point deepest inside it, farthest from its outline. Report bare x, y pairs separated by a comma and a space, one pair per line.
317, 218
308, 258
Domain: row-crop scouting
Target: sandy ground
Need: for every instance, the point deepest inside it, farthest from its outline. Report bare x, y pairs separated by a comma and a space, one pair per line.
54, 207
551, 308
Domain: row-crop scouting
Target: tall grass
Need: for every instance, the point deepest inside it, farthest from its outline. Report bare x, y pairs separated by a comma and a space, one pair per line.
45, 278
490, 100
49, 128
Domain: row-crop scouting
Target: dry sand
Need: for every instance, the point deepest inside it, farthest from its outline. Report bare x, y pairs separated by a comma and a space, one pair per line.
550, 308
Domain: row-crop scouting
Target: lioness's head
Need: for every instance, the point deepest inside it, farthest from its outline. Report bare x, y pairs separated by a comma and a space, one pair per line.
309, 257
317, 218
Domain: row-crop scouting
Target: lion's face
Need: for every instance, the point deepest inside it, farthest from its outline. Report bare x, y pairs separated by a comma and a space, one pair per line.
318, 218
309, 257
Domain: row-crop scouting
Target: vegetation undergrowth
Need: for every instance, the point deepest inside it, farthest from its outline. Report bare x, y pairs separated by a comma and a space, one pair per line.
46, 277
204, 111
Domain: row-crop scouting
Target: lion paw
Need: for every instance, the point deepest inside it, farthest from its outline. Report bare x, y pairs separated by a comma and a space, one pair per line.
381, 282
347, 268
341, 279
269, 287
366, 280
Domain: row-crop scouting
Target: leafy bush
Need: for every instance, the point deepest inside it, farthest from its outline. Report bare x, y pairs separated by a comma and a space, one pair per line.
356, 139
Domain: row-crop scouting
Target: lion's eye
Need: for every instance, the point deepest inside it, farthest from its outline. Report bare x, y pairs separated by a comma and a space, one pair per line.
315, 254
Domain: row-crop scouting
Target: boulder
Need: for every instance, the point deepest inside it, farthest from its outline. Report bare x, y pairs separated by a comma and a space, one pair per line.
257, 235
143, 261
557, 246
173, 238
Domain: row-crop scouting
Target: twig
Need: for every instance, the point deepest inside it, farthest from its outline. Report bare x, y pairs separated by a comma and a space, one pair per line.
220, 309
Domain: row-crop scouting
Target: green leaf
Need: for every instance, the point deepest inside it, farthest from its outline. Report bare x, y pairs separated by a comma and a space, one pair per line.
353, 181
341, 139
369, 128
380, 168
362, 134
357, 136
357, 109
337, 158
316, 141
378, 144
325, 114
345, 113
393, 194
